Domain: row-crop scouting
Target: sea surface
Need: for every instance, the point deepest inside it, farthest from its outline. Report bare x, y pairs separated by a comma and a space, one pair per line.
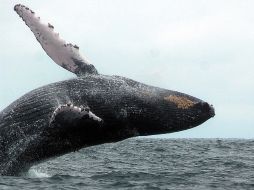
147, 163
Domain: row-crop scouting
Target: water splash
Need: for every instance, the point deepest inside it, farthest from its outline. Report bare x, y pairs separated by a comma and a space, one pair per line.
37, 173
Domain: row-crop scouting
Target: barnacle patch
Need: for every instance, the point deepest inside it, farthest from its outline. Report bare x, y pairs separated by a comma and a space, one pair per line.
180, 101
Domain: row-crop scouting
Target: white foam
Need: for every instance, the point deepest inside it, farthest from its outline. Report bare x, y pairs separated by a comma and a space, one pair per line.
37, 173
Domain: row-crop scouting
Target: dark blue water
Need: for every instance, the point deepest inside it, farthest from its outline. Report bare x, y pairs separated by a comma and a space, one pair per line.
146, 163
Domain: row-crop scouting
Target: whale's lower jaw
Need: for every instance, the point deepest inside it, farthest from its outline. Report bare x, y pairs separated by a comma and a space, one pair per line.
66, 116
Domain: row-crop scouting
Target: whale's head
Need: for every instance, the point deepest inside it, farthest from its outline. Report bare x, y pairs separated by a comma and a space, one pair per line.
159, 111
170, 112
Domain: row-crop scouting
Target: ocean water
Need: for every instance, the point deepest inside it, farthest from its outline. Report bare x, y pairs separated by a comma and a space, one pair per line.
146, 163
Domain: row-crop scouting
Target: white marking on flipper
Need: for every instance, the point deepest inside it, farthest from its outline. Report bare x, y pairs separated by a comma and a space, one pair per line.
94, 117
65, 55
69, 107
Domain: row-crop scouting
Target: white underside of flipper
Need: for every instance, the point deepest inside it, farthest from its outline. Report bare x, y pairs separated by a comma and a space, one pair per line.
65, 55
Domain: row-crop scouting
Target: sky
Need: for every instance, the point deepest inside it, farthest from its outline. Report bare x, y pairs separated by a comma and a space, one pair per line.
199, 47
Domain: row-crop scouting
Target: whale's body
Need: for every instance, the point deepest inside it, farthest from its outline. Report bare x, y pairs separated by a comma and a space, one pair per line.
92, 109
128, 109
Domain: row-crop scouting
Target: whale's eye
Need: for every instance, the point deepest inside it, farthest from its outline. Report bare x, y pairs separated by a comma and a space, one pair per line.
180, 101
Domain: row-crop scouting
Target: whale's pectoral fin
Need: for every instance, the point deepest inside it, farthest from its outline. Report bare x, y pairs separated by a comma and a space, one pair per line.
69, 115
65, 55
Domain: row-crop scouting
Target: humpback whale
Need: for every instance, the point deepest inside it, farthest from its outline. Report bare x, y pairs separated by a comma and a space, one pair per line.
88, 110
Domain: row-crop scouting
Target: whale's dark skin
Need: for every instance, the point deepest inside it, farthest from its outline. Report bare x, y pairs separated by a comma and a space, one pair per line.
44, 122
128, 109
